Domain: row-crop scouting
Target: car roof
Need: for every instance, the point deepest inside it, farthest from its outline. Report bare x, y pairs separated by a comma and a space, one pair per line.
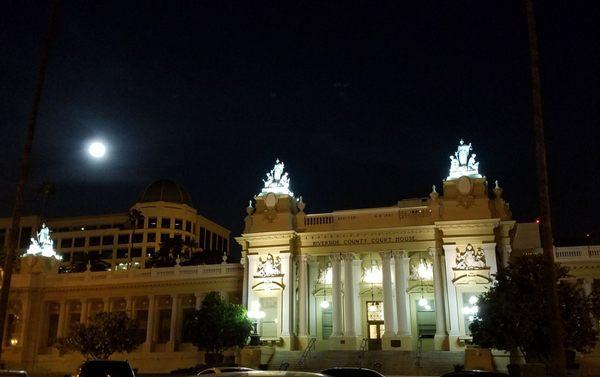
273, 373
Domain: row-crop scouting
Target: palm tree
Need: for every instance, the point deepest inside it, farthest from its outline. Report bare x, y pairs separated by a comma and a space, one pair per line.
13, 233
558, 367
134, 219
45, 191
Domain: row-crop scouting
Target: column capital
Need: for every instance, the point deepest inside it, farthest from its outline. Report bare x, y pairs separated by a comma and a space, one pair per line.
400, 254
304, 258
336, 257
348, 257
385, 255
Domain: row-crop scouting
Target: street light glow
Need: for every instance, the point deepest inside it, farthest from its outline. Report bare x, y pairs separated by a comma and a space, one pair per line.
97, 149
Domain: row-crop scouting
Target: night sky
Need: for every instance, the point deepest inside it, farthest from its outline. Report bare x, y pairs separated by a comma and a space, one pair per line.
363, 103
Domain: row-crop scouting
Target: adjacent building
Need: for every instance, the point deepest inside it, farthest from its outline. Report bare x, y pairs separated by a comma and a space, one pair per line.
44, 303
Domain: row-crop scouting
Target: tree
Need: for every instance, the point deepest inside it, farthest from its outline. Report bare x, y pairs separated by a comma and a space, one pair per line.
134, 218
45, 191
13, 232
218, 325
106, 334
512, 314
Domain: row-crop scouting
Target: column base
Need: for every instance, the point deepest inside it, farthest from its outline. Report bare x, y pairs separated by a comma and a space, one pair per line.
341, 342
302, 342
287, 342
396, 343
454, 343
440, 342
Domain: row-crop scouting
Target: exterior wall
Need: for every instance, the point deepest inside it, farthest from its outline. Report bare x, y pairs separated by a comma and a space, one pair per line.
38, 292
435, 231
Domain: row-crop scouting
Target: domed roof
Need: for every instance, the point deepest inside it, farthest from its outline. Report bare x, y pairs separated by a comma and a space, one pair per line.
165, 190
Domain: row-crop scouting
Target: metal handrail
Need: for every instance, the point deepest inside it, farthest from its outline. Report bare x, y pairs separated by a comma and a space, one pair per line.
307, 351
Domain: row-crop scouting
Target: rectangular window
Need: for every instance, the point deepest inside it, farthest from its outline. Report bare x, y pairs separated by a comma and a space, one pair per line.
93, 254
149, 251
178, 224
164, 237
177, 236
138, 238
106, 254
121, 253
187, 315
79, 242
202, 238
188, 226
108, 240
25, 236
52, 329
164, 325
123, 239
66, 243
152, 222
141, 317
95, 241
207, 245
136, 252
151, 237
165, 223
74, 319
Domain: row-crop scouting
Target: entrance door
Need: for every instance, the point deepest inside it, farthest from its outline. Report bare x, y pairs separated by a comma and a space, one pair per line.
375, 326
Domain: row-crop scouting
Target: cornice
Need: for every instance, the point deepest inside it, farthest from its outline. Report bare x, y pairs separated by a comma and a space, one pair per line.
421, 229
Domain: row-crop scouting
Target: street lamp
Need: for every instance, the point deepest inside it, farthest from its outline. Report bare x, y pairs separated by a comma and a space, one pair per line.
255, 314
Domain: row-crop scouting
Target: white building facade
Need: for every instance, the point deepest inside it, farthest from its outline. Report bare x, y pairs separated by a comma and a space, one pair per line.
391, 278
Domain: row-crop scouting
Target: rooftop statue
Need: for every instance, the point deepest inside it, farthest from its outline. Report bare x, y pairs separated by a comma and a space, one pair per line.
277, 181
461, 164
42, 244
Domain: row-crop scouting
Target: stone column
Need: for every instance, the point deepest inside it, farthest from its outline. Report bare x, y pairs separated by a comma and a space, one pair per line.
402, 270
450, 256
441, 336
388, 298
62, 319
150, 325
302, 296
251, 271
313, 306
287, 317
83, 318
349, 330
358, 317
172, 346
336, 295
244, 263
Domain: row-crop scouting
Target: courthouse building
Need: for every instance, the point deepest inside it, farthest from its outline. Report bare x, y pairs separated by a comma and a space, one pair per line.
403, 277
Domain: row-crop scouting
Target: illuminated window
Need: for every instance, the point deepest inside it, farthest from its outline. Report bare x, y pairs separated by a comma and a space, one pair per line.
178, 224
152, 222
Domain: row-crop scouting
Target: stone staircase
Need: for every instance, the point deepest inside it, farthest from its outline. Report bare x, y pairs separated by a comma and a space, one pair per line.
386, 362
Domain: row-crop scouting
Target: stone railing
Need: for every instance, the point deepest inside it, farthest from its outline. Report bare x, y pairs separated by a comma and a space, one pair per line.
570, 253
420, 215
144, 275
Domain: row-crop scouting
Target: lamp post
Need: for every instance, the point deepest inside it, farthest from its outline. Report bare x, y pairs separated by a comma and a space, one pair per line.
255, 314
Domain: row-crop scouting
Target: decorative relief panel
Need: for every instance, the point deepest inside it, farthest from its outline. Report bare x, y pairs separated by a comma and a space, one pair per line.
470, 258
271, 266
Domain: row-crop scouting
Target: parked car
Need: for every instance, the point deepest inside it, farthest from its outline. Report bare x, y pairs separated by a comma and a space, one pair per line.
351, 371
220, 370
475, 373
273, 373
13, 373
105, 368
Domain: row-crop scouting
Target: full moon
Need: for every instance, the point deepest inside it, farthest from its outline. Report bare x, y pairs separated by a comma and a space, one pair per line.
97, 149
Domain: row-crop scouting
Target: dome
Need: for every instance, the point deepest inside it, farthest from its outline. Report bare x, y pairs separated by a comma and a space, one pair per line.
165, 190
